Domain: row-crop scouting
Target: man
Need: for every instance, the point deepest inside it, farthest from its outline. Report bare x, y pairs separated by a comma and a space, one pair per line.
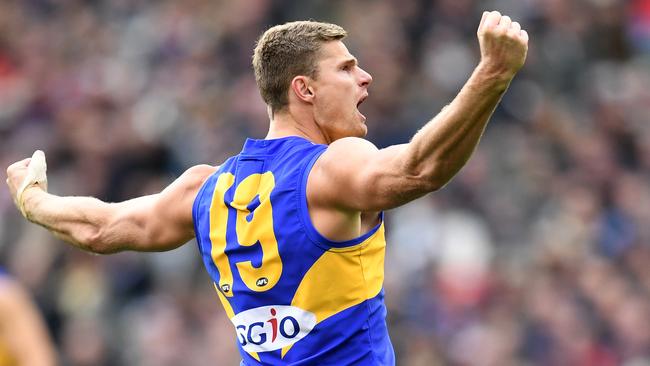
23, 336
291, 229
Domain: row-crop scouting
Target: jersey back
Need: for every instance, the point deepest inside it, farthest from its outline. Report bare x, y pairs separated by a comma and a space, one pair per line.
293, 296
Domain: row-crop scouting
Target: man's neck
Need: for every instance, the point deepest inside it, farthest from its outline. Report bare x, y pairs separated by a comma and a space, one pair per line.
286, 124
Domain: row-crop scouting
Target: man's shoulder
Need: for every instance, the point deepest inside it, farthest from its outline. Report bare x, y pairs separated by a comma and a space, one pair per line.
201, 170
192, 179
346, 151
199, 173
352, 143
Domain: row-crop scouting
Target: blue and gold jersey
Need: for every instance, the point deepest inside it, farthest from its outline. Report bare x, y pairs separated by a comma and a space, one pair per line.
293, 296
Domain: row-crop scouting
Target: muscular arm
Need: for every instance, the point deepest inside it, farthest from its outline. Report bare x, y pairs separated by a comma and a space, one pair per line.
157, 222
21, 327
375, 180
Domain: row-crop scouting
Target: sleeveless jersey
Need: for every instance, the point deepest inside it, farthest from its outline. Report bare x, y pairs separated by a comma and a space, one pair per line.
293, 296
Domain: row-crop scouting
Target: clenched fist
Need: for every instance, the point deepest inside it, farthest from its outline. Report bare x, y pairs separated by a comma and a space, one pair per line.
25, 174
503, 44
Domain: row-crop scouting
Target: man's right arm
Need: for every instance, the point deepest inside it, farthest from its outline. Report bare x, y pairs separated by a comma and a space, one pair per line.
157, 222
372, 180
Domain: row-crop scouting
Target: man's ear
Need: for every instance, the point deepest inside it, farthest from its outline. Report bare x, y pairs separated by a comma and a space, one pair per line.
300, 85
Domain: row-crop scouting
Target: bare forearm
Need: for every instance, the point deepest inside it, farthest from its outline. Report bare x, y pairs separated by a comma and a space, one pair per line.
443, 146
76, 220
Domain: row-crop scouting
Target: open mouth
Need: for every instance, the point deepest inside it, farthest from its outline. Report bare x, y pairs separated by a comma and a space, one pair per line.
363, 98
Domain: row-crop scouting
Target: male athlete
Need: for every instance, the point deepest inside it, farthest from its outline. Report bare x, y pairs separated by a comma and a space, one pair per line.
291, 229
24, 340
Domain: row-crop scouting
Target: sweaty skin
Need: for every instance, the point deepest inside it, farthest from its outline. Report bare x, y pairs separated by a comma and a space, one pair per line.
349, 184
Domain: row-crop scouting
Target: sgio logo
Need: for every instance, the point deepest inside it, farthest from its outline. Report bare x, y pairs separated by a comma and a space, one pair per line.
269, 328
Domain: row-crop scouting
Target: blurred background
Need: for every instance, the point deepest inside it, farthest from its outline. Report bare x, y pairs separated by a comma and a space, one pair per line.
538, 252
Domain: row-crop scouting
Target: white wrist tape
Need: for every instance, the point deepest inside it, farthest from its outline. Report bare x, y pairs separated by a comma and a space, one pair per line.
36, 174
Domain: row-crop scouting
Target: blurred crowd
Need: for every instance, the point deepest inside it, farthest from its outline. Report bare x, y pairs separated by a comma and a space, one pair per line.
537, 253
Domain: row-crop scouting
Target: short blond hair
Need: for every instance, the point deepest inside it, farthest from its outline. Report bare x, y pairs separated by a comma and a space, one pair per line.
286, 51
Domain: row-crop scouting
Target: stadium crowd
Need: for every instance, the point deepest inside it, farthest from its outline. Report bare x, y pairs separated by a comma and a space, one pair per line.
537, 253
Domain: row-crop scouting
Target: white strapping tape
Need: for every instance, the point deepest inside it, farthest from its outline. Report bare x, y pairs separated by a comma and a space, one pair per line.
36, 173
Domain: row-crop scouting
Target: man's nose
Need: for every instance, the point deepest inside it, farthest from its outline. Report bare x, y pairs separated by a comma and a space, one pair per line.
366, 78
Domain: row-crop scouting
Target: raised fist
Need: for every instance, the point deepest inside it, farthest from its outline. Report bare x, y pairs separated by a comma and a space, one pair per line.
503, 43
25, 174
